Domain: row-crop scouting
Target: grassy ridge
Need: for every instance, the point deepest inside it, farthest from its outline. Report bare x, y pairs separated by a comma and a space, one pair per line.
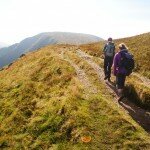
139, 46
43, 105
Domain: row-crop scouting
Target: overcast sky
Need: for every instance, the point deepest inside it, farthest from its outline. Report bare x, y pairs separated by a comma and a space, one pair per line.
117, 18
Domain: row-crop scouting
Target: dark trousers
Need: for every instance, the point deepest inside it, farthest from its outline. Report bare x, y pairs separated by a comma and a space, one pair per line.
120, 81
108, 61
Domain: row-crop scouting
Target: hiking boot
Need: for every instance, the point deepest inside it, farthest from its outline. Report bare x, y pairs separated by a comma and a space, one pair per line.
106, 77
120, 98
109, 80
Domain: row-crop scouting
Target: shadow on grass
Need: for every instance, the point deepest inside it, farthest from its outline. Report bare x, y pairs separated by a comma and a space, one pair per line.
140, 114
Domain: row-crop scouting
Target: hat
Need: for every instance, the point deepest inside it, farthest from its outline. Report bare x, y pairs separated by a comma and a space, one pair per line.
109, 39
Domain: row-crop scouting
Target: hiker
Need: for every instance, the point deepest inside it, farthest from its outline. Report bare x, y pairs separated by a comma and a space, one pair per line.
109, 52
123, 64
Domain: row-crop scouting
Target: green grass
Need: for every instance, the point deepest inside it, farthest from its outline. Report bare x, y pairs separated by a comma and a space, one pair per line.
139, 47
138, 92
43, 106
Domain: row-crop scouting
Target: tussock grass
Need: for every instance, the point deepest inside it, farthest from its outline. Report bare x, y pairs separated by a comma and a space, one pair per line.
139, 47
43, 106
94, 49
103, 100
138, 92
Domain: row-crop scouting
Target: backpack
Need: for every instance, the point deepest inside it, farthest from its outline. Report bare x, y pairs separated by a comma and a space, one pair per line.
109, 49
127, 61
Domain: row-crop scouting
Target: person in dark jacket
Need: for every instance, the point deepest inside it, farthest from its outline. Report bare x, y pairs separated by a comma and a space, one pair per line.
109, 52
119, 71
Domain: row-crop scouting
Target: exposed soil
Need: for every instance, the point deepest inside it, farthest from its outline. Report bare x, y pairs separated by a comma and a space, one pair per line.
140, 115
81, 74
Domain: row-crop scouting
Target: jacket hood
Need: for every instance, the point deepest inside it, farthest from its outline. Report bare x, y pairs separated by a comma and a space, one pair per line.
123, 51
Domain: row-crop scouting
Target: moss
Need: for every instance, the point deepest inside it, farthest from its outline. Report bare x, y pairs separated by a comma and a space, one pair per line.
44, 105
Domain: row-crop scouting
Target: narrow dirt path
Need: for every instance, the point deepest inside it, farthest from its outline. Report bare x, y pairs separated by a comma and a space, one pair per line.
141, 116
97, 68
88, 86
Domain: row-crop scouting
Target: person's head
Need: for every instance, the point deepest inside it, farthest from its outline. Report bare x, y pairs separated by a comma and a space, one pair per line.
122, 46
110, 39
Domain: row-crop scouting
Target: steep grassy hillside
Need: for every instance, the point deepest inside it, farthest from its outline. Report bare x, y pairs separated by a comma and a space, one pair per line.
52, 99
139, 46
11, 53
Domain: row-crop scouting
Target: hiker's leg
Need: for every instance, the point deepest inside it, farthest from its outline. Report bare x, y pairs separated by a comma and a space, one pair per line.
105, 66
109, 67
120, 81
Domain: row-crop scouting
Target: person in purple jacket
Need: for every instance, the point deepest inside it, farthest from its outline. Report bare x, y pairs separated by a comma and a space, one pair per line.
119, 71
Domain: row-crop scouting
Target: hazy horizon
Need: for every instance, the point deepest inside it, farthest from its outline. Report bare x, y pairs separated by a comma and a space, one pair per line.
102, 18
7, 44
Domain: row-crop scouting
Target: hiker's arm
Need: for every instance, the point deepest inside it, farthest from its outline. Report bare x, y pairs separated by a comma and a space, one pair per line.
104, 49
114, 50
115, 65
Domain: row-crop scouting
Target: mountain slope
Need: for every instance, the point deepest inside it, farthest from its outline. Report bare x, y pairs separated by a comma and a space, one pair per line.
138, 46
52, 99
138, 84
9, 54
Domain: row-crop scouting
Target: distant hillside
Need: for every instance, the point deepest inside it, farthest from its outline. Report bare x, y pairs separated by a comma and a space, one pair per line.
9, 54
138, 45
53, 99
